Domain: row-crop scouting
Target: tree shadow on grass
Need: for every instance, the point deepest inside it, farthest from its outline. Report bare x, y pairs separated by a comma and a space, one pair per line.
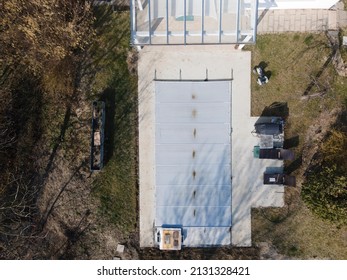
276, 109
104, 53
26, 113
319, 74
291, 142
109, 97
268, 74
275, 215
120, 104
334, 48
263, 64
67, 118
125, 114
58, 142
112, 28
294, 165
51, 207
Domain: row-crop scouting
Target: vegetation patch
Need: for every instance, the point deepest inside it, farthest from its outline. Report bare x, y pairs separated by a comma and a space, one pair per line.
116, 185
301, 78
325, 188
343, 49
55, 60
326, 194
306, 83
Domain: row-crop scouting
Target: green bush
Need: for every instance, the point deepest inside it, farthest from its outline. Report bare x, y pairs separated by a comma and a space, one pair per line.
325, 192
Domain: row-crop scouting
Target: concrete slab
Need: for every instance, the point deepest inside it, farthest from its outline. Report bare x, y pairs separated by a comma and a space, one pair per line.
200, 63
189, 63
248, 190
200, 236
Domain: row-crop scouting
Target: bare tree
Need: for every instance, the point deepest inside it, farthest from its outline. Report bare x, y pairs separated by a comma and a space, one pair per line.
17, 207
42, 42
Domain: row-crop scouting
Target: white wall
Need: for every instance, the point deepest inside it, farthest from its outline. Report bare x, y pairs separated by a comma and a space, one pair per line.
296, 4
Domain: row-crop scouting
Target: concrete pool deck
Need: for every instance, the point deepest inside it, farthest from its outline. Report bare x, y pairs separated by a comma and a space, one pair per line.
199, 63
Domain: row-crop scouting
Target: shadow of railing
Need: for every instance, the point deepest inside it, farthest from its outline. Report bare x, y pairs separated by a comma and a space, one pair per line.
262, 15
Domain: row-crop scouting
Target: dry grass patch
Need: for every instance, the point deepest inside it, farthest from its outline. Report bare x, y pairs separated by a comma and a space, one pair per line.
301, 234
298, 65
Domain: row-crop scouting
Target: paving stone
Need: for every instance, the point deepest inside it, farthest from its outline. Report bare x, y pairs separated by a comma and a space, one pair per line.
282, 12
341, 18
281, 23
308, 25
276, 26
292, 12
314, 18
297, 25
332, 20
291, 22
301, 20
302, 27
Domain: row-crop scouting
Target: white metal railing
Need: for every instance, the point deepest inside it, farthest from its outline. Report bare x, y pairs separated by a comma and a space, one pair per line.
163, 13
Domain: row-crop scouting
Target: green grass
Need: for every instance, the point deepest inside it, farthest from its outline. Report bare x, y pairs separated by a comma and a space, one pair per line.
295, 60
116, 185
312, 237
343, 49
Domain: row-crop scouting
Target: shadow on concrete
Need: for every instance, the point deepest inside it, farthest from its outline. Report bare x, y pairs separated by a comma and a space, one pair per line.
262, 15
